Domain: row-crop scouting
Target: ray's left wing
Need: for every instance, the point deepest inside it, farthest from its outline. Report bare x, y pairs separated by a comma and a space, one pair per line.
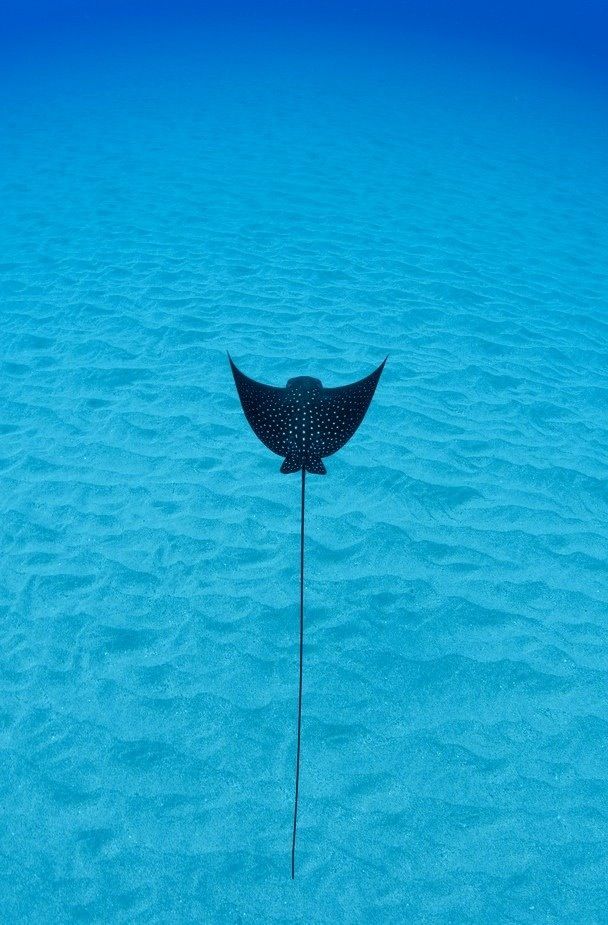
341, 410
265, 410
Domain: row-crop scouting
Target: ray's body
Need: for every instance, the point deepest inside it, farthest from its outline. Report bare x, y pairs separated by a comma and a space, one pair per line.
303, 422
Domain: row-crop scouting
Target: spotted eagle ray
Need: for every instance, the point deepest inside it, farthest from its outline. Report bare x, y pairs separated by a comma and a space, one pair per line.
304, 422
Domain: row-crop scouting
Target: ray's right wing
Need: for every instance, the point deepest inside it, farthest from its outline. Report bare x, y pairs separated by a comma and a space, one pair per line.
341, 411
265, 409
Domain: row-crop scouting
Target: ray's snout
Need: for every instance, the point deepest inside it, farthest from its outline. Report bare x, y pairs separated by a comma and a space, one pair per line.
304, 384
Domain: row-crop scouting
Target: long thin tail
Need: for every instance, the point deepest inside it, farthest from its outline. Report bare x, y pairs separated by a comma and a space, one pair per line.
295, 808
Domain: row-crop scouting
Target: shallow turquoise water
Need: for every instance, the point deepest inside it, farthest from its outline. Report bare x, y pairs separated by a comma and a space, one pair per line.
309, 206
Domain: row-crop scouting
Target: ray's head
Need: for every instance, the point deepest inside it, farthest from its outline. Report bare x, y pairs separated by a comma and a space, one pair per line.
304, 386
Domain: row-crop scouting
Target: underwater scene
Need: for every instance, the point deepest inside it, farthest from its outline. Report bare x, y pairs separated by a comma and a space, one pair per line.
310, 188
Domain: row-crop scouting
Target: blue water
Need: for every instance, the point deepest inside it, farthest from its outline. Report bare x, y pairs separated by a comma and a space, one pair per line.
310, 195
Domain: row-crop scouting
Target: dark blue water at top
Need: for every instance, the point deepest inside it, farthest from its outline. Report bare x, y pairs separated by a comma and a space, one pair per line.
311, 190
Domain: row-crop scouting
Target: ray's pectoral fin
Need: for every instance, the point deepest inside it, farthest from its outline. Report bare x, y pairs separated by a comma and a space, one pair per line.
290, 464
316, 466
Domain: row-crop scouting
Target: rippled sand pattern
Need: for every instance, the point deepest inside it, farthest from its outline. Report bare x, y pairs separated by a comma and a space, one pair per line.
310, 216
